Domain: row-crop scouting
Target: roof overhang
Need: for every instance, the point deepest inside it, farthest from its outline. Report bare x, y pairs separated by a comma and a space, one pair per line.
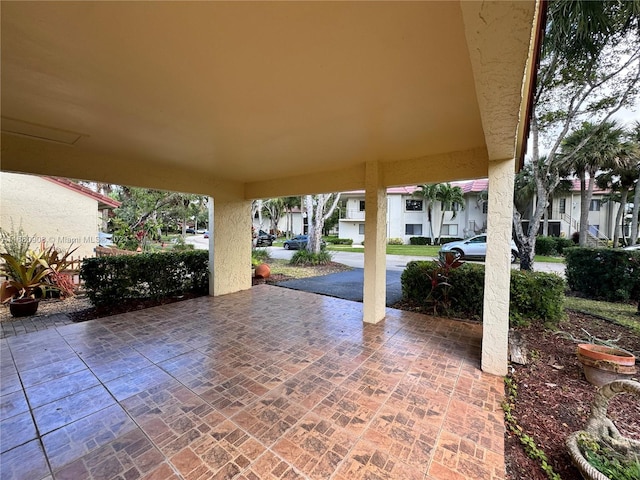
260, 99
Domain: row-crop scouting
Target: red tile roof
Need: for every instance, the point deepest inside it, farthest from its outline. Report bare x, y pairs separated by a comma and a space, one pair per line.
103, 200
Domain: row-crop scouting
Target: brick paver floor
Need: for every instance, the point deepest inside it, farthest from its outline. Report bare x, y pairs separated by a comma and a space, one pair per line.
268, 383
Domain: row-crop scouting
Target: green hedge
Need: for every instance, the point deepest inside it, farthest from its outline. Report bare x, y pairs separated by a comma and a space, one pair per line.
339, 241
604, 274
420, 241
534, 295
395, 241
120, 278
552, 245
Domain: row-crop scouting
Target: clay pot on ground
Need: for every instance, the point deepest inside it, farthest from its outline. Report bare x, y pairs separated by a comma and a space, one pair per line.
603, 364
262, 271
23, 307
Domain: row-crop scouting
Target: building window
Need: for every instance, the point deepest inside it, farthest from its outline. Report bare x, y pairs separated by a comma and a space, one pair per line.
562, 206
595, 205
450, 230
362, 205
413, 229
412, 205
361, 228
485, 207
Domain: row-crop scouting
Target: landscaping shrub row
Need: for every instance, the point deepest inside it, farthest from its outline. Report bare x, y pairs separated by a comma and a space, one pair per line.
552, 245
339, 241
534, 295
427, 240
604, 274
114, 279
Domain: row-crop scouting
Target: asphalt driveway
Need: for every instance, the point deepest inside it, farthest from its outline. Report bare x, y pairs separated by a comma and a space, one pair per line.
347, 285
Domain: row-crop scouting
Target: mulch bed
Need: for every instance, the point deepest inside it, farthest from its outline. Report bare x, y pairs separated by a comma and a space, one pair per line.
554, 399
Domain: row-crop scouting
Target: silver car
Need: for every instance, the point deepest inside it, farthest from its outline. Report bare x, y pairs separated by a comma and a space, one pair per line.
474, 248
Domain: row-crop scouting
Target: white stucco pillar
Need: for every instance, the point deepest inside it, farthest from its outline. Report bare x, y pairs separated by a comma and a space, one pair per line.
375, 253
495, 323
229, 247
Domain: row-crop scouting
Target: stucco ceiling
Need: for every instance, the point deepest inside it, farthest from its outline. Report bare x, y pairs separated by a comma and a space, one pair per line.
243, 95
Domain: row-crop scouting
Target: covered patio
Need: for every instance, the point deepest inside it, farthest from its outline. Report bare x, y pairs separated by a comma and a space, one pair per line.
265, 383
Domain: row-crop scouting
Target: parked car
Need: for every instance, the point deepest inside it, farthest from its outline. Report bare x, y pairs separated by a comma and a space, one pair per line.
190, 230
300, 241
474, 248
264, 239
632, 247
206, 234
200, 231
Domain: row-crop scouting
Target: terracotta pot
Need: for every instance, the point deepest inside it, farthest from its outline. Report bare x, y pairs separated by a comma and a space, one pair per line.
263, 271
23, 307
604, 364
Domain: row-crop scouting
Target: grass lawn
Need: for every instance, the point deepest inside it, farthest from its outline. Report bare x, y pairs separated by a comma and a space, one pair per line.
621, 313
411, 250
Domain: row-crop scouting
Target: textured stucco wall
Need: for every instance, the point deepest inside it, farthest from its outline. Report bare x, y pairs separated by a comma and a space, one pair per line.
48, 211
495, 323
232, 247
375, 274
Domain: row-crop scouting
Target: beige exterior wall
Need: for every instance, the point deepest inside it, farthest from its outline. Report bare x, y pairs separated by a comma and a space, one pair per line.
49, 212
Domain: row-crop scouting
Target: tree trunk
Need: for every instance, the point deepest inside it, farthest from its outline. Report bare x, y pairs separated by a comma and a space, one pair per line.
523, 242
545, 223
619, 223
584, 208
634, 217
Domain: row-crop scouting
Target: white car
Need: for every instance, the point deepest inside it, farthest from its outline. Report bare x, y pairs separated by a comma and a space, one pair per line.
474, 248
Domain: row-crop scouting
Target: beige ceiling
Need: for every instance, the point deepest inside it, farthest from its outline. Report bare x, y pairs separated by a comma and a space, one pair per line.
259, 99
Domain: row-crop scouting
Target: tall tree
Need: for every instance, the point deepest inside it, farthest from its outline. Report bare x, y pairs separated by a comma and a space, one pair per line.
635, 212
290, 203
450, 198
274, 208
318, 208
592, 148
429, 194
589, 68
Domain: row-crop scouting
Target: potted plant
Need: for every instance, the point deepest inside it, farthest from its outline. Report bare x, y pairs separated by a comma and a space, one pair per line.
602, 361
599, 451
603, 364
25, 279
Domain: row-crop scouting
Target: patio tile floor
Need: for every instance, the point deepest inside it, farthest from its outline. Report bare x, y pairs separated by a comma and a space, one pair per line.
269, 383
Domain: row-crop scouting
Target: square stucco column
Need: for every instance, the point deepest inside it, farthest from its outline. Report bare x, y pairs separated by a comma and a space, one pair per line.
375, 253
495, 323
229, 247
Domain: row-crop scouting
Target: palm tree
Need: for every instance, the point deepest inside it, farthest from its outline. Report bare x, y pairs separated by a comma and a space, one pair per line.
429, 194
593, 147
289, 204
448, 197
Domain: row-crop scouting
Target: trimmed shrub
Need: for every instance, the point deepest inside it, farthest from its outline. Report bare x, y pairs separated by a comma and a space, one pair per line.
534, 295
420, 241
120, 278
604, 274
545, 245
259, 255
563, 243
306, 258
449, 240
342, 241
395, 241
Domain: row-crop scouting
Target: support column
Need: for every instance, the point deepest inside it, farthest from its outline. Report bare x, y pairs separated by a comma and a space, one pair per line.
495, 323
375, 250
229, 247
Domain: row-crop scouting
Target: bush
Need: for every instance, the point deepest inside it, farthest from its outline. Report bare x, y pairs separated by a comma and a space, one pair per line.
259, 255
449, 240
114, 279
395, 241
604, 274
420, 241
306, 258
534, 295
562, 244
340, 241
545, 245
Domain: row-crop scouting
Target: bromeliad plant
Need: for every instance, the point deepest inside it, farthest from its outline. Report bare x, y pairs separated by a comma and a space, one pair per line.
25, 278
439, 298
